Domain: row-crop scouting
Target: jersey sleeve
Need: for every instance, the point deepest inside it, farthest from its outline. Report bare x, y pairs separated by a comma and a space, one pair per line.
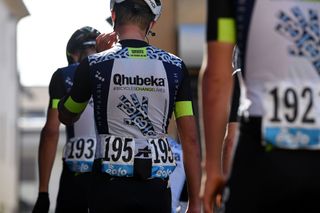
183, 104
220, 21
56, 89
80, 93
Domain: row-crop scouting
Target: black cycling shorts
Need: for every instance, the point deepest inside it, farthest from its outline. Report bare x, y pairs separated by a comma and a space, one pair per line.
123, 194
271, 181
73, 191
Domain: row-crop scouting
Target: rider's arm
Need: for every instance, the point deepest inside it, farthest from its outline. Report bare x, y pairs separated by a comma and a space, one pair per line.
74, 103
187, 131
50, 132
47, 148
216, 87
188, 136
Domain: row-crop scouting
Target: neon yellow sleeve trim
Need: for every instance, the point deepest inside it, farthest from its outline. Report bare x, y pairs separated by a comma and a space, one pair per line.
73, 106
55, 103
183, 108
226, 30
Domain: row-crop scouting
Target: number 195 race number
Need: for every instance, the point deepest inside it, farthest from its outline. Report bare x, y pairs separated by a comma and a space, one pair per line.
119, 149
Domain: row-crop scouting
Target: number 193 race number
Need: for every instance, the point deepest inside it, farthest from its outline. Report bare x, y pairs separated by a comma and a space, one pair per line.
79, 154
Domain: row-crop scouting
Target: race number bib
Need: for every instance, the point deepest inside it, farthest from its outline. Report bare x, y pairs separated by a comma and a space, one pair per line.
79, 154
292, 115
118, 155
163, 162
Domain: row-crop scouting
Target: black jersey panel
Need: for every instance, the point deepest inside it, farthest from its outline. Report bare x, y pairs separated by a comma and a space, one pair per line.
100, 93
184, 91
81, 91
174, 76
233, 117
70, 132
56, 88
60, 83
244, 10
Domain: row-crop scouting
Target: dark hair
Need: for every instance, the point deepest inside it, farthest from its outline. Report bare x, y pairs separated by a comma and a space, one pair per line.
133, 12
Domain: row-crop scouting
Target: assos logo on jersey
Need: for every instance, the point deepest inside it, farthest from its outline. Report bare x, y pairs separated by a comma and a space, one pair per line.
137, 80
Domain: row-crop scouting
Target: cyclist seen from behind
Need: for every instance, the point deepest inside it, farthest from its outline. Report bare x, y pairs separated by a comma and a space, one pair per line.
276, 165
136, 88
80, 148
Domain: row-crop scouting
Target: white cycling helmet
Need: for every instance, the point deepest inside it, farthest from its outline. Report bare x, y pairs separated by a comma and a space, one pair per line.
154, 5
